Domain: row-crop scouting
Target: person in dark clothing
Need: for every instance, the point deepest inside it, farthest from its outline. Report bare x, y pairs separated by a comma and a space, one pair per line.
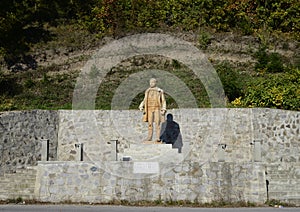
171, 133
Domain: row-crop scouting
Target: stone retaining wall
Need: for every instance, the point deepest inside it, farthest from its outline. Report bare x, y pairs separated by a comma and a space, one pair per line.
202, 182
204, 132
284, 182
21, 133
219, 134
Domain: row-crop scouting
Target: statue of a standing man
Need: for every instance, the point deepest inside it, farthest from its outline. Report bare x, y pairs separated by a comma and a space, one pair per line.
154, 107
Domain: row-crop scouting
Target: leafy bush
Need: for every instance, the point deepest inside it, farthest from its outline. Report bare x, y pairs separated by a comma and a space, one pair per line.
8, 85
280, 91
246, 15
270, 62
6, 103
232, 83
204, 40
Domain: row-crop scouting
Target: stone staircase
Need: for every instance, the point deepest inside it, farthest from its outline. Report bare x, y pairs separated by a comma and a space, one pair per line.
284, 183
151, 152
18, 185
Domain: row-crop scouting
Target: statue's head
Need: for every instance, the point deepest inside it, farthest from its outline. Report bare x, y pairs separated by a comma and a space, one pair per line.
152, 82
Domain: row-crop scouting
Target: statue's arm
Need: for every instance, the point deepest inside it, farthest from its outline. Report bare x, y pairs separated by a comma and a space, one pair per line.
141, 107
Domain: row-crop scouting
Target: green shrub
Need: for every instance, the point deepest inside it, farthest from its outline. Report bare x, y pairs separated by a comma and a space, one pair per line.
231, 81
280, 91
8, 85
270, 62
275, 63
262, 58
204, 40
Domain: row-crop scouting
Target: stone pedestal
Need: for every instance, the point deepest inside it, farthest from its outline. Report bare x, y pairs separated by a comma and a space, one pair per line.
152, 151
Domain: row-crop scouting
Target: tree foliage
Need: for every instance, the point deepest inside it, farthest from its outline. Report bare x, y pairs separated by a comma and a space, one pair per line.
21, 20
273, 91
22, 24
223, 15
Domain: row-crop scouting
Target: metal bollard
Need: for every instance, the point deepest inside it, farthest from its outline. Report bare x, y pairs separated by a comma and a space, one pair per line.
45, 149
114, 149
79, 146
221, 152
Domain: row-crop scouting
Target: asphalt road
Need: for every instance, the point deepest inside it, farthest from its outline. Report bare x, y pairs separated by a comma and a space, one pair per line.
94, 208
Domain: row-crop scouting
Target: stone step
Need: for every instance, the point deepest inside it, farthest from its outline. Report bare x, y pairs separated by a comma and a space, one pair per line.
277, 178
5, 191
17, 195
151, 152
22, 175
159, 158
26, 171
283, 190
19, 184
4, 181
19, 176
147, 151
165, 160
150, 146
20, 187
284, 196
283, 179
29, 175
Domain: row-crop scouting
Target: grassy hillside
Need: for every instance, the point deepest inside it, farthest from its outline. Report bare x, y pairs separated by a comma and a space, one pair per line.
253, 45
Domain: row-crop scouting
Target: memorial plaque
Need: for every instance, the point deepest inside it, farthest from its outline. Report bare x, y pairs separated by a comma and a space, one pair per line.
146, 167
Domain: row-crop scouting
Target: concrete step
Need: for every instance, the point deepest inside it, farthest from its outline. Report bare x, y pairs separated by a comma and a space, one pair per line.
151, 152
150, 146
157, 159
169, 156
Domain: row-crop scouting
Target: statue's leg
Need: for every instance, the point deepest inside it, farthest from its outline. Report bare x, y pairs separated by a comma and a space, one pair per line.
157, 124
150, 126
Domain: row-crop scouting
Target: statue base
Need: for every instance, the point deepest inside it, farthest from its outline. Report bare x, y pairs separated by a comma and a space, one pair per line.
150, 151
152, 142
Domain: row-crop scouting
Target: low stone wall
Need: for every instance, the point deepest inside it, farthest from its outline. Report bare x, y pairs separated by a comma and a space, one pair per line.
219, 134
284, 182
202, 182
279, 132
21, 133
